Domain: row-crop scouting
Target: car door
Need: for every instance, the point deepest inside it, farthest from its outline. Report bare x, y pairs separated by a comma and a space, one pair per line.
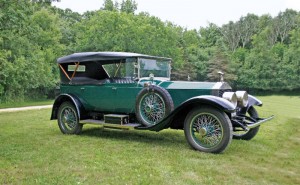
100, 97
125, 97
111, 97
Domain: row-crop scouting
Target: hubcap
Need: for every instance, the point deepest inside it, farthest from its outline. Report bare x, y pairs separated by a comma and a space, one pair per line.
149, 108
202, 132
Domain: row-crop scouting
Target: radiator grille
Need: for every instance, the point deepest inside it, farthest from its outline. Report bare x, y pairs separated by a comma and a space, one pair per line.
222, 91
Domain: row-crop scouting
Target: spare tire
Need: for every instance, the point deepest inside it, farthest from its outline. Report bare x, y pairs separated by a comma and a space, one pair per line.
153, 104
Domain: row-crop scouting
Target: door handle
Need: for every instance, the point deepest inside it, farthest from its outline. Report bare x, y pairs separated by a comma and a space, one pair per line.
114, 88
82, 88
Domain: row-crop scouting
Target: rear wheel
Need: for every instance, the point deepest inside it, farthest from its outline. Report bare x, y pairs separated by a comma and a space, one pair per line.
251, 133
68, 120
208, 130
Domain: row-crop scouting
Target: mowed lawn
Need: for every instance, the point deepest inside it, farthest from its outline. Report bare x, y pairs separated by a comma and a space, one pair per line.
33, 151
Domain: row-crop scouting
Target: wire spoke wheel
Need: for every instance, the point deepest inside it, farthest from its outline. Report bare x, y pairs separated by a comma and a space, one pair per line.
208, 129
68, 120
153, 104
152, 108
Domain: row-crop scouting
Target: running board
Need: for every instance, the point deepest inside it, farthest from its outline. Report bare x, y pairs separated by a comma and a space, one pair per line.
127, 126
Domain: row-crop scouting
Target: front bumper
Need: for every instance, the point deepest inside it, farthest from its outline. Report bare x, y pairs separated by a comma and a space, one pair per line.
259, 122
247, 123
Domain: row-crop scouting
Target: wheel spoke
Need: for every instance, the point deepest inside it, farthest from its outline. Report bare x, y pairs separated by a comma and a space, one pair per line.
206, 130
68, 118
152, 108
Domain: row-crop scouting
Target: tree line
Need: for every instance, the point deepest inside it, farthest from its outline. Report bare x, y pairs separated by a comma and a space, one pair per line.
255, 52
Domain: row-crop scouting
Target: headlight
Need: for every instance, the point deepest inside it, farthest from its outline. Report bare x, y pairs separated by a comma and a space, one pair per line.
230, 96
242, 97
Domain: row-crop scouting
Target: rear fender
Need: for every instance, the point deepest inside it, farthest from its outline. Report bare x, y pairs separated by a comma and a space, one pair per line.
67, 97
176, 119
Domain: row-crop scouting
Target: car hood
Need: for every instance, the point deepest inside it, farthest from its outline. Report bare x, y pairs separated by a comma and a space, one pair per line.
194, 85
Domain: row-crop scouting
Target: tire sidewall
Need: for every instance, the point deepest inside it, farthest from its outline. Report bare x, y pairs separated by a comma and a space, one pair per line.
225, 124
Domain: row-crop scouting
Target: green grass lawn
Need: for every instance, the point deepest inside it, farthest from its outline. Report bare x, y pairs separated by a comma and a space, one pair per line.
33, 151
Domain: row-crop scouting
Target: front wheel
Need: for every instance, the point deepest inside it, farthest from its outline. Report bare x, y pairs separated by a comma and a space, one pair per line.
68, 120
208, 130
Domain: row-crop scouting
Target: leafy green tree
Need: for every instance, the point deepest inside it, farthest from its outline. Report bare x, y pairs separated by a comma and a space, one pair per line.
128, 6
278, 29
290, 68
287, 21
231, 35
219, 62
67, 26
259, 70
254, 52
126, 32
248, 26
30, 44
109, 5
194, 56
210, 35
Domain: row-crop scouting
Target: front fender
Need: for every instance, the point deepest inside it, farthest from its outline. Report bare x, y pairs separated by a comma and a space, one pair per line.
254, 101
176, 118
67, 97
215, 101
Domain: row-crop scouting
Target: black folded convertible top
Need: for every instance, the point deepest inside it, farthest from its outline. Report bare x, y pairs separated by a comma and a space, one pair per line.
103, 56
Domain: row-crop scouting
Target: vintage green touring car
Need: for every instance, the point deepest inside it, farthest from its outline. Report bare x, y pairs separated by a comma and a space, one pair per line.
130, 90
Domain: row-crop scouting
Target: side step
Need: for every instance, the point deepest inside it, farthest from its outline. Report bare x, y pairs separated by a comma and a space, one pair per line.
110, 125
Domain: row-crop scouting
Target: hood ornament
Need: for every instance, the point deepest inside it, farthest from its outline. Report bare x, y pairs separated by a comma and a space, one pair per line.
221, 76
189, 78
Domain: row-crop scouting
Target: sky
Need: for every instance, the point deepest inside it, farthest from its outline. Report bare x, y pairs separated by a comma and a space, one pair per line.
193, 14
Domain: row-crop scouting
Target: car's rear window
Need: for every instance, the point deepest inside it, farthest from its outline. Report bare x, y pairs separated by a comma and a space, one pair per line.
81, 68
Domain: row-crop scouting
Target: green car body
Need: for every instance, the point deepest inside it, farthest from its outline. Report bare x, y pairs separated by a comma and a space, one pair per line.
120, 98
134, 90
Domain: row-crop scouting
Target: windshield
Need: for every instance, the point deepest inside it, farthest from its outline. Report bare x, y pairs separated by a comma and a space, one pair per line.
159, 68
122, 69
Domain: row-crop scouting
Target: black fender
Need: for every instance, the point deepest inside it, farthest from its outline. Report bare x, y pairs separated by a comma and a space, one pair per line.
71, 98
176, 118
252, 101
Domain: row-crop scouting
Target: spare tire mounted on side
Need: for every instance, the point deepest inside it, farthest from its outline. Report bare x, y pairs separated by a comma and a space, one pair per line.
153, 103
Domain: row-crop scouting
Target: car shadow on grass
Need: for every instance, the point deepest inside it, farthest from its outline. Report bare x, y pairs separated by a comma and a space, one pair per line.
164, 137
